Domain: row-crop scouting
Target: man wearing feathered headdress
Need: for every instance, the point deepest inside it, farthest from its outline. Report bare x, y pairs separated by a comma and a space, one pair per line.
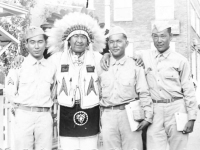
79, 39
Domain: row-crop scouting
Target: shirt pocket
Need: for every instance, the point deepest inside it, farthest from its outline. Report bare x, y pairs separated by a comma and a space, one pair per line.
172, 81
127, 88
171, 76
26, 85
26, 80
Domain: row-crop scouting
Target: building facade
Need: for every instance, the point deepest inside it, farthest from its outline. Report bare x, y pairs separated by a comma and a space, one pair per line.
137, 18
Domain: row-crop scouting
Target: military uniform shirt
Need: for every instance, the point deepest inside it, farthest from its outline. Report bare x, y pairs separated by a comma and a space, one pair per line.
34, 80
168, 76
122, 83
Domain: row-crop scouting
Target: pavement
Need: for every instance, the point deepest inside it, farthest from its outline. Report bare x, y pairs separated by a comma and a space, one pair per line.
194, 137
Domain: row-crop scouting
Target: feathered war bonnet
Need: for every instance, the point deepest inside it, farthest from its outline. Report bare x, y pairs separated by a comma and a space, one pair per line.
75, 23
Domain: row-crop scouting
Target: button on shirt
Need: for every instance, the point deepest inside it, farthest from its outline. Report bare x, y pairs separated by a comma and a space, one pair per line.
34, 80
168, 76
124, 82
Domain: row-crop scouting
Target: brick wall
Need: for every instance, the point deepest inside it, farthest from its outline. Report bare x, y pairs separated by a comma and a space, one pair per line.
99, 6
181, 14
139, 28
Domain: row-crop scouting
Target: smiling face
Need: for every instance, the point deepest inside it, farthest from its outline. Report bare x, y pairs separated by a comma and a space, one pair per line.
162, 40
117, 44
36, 46
78, 43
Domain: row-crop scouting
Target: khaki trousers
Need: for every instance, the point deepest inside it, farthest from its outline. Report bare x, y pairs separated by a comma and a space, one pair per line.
33, 128
163, 130
116, 132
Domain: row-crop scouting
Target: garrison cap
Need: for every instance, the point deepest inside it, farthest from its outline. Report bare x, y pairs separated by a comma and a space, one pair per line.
117, 30
158, 27
33, 31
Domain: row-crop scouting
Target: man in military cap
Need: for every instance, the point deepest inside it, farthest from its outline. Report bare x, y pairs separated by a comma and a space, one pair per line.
171, 88
124, 82
32, 100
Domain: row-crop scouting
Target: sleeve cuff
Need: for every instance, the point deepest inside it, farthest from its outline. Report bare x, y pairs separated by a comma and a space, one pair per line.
149, 120
149, 117
192, 115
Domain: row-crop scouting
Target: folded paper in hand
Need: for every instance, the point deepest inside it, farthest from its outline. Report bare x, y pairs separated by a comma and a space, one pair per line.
133, 109
181, 120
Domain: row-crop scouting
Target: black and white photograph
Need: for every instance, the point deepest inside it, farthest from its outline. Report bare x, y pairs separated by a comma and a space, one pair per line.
99, 74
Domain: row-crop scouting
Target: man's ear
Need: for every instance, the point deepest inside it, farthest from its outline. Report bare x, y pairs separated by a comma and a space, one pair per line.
26, 46
127, 42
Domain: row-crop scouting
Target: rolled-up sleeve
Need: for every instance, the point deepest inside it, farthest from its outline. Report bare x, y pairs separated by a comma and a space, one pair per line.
143, 91
188, 90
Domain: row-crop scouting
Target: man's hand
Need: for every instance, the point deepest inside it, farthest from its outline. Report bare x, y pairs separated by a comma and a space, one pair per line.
13, 108
138, 60
17, 61
188, 127
143, 125
105, 61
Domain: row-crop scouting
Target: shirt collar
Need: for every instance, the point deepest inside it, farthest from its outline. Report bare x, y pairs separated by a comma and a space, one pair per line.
76, 58
32, 61
165, 54
113, 61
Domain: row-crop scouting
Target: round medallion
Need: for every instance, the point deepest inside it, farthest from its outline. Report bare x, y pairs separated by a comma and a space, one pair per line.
80, 118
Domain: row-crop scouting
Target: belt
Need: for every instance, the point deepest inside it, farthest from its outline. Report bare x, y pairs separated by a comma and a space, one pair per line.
34, 109
117, 107
167, 100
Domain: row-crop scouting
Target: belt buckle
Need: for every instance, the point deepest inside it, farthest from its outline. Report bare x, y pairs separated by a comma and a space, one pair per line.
38, 109
121, 107
41, 109
168, 100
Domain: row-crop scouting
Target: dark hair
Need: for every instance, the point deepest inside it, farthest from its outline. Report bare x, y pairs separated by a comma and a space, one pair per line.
124, 35
44, 35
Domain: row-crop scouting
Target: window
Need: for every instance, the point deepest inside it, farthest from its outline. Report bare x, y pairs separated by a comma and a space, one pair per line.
193, 17
197, 25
